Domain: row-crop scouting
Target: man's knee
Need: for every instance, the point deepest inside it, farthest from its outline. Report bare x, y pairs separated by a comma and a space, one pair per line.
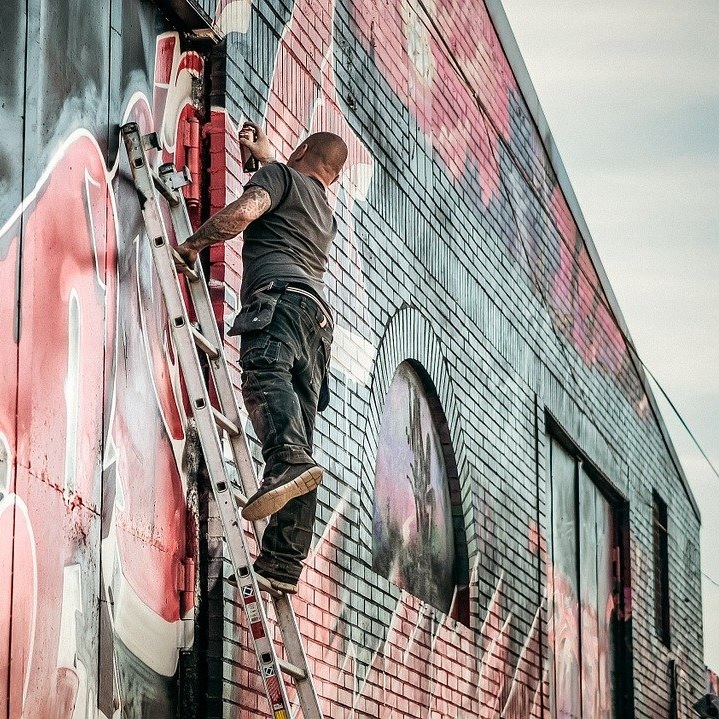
266, 365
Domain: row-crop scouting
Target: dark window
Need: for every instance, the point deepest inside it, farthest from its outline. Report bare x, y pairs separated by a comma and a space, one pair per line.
585, 584
673, 689
661, 568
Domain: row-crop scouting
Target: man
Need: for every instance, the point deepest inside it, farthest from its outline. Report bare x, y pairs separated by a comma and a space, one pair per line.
286, 331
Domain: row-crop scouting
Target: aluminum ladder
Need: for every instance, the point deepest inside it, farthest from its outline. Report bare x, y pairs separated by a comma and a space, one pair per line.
231, 497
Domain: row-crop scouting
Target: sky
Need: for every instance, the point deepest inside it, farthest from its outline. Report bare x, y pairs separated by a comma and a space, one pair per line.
630, 90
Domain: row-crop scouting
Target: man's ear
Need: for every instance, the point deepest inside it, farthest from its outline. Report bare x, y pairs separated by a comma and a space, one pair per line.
301, 151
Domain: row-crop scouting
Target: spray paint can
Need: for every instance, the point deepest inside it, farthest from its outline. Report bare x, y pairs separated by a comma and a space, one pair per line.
249, 161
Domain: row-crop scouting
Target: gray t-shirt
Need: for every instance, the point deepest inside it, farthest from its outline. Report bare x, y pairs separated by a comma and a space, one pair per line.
291, 241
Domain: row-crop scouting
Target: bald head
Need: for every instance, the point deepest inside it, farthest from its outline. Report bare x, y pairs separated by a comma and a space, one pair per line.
328, 149
322, 154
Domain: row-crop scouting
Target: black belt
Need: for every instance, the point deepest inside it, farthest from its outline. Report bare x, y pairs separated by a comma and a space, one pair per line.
326, 319
282, 287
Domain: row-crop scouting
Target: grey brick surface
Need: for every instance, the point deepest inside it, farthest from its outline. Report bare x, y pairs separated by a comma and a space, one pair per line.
464, 289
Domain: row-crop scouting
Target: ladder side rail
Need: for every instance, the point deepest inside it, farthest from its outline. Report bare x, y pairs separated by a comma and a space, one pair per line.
270, 669
227, 398
295, 651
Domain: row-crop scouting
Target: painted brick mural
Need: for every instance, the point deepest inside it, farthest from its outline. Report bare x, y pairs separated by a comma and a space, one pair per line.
96, 508
502, 531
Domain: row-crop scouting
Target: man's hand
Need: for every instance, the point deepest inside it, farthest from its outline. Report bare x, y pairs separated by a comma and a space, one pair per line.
260, 148
187, 253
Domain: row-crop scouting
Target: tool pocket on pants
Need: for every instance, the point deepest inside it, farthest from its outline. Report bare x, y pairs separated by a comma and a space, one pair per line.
256, 314
259, 352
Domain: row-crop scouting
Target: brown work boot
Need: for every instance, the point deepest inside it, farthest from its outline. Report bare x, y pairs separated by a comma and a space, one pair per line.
275, 492
285, 586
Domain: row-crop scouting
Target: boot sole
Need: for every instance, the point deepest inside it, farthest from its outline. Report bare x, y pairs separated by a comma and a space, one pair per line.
275, 499
284, 587
276, 584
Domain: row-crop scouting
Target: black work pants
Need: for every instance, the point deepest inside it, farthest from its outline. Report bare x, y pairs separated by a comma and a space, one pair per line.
283, 368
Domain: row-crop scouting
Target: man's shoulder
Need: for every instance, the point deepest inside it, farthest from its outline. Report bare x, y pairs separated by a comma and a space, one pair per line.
274, 179
271, 169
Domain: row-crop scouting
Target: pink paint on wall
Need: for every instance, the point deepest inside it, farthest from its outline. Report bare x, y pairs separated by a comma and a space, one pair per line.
426, 664
580, 309
59, 413
411, 50
445, 63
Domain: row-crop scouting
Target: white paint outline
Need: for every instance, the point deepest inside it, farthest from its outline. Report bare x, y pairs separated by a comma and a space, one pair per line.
72, 393
89, 180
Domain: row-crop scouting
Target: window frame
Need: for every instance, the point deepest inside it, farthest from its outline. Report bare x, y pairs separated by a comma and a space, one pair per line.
621, 552
459, 609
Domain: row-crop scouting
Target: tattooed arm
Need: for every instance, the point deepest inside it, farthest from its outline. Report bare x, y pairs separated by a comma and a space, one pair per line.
226, 224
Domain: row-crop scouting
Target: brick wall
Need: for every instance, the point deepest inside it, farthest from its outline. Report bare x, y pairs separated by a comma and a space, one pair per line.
458, 250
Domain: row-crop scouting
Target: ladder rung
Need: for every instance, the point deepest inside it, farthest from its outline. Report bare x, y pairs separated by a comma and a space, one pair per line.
181, 267
225, 422
291, 669
165, 191
204, 344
